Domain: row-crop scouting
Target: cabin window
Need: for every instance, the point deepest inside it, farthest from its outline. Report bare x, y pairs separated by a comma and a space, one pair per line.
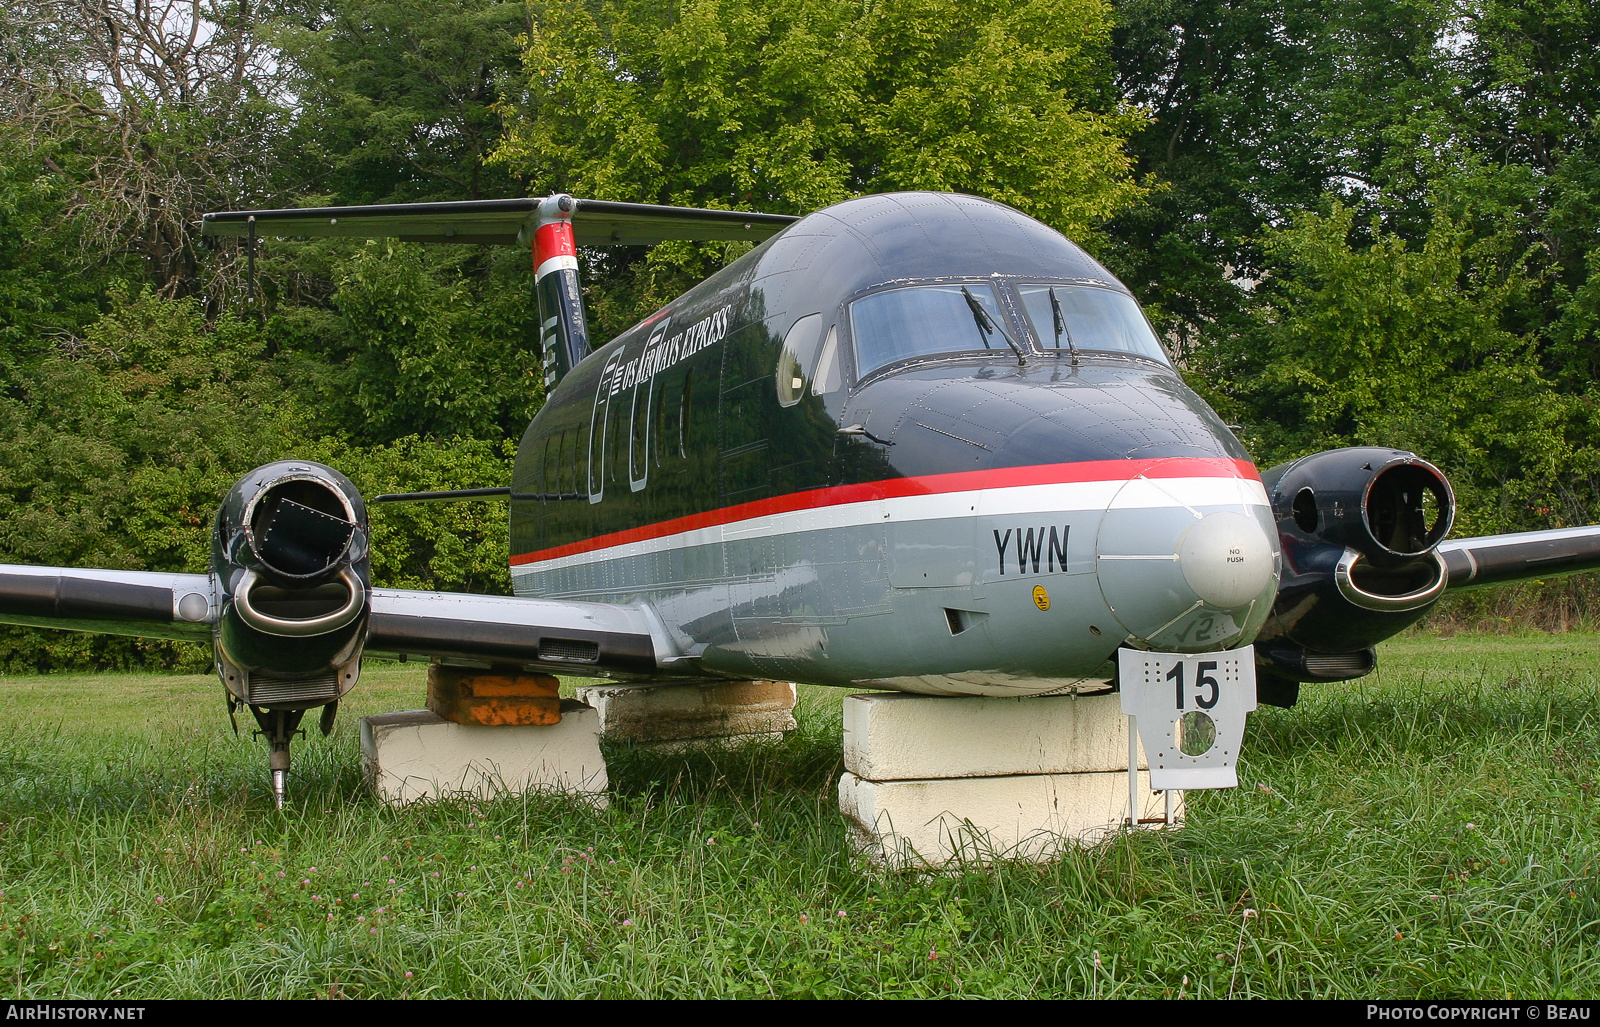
596, 438
798, 359
579, 448
551, 471
563, 483
827, 378
1088, 318
924, 321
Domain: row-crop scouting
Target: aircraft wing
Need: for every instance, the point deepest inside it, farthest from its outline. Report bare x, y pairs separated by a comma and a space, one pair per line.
594, 222
559, 636
1493, 559
142, 603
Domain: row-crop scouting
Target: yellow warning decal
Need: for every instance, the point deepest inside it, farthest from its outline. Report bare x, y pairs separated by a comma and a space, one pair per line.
1041, 598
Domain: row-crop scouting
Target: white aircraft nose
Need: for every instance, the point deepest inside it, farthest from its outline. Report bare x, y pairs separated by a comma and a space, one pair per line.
1226, 559
1186, 562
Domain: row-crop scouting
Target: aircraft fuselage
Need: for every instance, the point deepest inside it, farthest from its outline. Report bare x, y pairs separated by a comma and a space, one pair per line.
826, 464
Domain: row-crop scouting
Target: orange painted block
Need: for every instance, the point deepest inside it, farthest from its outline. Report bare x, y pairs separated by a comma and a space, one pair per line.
488, 698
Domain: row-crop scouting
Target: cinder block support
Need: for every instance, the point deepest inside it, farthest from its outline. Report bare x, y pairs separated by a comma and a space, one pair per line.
895, 736
418, 755
502, 697
935, 781
691, 714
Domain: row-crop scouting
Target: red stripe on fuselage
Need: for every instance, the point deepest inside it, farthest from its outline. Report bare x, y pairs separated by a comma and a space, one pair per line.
928, 485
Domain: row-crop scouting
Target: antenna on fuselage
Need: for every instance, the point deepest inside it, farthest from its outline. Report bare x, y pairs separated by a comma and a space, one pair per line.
554, 226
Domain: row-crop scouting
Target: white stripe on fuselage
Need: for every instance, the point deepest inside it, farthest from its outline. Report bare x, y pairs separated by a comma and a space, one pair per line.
1057, 499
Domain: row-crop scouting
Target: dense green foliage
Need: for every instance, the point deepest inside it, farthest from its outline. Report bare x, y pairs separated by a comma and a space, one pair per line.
1408, 346
790, 106
1355, 222
1381, 229
1381, 846
399, 97
122, 446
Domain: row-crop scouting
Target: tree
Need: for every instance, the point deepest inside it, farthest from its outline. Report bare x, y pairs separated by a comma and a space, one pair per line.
1406, 345
399, 97
793, 105
430, 341
1230, 89
121, 444
49, 288
172, 109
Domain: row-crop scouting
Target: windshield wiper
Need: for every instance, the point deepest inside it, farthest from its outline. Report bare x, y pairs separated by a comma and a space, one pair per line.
987, 325
1061, 326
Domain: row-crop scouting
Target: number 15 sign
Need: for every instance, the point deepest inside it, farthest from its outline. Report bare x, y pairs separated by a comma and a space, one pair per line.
1190, 710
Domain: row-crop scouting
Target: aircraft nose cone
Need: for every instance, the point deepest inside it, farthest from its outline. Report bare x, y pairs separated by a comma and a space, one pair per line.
1184, 557
1226, 558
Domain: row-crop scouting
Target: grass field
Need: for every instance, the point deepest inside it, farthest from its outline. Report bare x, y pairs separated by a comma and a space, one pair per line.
1429, 831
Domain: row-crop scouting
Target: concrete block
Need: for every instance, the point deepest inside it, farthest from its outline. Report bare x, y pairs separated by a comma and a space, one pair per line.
901, 737
981, 819
680, 714
419, 755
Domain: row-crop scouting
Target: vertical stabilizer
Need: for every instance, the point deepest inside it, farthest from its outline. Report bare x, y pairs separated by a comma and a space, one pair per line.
563, 331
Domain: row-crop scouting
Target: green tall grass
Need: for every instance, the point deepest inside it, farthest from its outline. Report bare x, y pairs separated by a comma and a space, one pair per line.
1430, 831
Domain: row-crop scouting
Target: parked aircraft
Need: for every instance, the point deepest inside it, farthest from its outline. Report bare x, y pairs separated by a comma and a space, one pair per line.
914, 441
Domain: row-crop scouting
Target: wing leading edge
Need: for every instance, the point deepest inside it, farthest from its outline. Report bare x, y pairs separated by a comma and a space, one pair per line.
562, 637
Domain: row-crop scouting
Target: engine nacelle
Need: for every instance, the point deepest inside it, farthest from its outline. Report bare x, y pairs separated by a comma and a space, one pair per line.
290, 557
1359, 529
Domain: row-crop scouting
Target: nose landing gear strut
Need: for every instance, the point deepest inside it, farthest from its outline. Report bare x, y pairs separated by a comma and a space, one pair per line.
278, 727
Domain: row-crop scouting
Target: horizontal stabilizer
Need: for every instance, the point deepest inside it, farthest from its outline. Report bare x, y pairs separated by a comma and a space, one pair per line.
594, 222
1493, 559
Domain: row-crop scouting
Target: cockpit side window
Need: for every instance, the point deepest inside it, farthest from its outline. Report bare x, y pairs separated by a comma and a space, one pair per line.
924, 320
1087, 318
798, 358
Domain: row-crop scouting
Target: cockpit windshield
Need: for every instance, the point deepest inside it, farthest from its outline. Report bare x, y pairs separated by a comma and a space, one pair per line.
1087, 318
925, 320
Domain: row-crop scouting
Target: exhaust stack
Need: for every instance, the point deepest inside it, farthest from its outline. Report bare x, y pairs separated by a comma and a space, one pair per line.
1360, 530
